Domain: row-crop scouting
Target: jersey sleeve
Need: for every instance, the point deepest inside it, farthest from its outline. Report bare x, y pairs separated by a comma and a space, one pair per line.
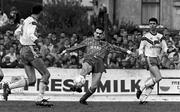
78, 46
114, 48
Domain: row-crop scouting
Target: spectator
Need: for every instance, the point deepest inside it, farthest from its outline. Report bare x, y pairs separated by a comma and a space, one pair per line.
73, 40
54, 40
11, 55
10, 59
176, 60
2, 52
46, 48
3, 18
73, 62
14, 15
171, 49
62, 38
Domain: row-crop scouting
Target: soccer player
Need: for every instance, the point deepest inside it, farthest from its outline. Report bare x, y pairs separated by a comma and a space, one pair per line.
31, 57
96, 51
151, 47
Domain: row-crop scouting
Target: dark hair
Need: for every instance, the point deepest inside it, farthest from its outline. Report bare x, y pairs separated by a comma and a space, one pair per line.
37, 9
100, 27
153, 19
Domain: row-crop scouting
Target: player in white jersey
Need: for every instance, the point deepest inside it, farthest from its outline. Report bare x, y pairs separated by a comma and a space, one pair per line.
151, 47
30, 57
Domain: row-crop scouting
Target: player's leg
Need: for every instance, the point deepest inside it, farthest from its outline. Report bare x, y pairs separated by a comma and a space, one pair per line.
96, 77
144, 97
41, 68
149, 85
86, 69
155, 72
21, 83
142, 88
156, 75
30, 80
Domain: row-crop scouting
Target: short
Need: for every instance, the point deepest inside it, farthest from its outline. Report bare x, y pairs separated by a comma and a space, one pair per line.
26, 55
152, 61
97, 64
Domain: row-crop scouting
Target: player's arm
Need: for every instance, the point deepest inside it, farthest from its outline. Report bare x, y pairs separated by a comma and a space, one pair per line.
141, 49
73, 48
119, 49
76, 47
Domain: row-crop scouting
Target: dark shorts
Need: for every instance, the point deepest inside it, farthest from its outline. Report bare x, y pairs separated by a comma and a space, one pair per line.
96, 63
152, 61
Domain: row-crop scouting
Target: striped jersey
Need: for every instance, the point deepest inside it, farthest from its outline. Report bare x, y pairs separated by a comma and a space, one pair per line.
97, 48
152, 45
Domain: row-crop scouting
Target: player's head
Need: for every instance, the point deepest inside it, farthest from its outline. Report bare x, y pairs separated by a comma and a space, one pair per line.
98, 34
37, 9
153, 22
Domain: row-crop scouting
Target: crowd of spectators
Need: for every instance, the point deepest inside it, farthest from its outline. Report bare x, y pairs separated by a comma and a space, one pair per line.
53, 45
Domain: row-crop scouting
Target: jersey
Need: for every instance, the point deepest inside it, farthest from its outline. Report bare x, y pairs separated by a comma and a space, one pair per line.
97, 48
28, 31
152, 45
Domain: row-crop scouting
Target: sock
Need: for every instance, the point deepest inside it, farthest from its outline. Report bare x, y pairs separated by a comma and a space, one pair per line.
149, 82
21, 83
88, 94
147, 93
42, 89
142, 87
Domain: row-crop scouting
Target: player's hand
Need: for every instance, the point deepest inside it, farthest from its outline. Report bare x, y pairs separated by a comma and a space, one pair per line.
131, 53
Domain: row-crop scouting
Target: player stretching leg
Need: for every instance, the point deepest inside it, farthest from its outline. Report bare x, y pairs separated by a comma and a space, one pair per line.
30, 57
96, 51
151, 46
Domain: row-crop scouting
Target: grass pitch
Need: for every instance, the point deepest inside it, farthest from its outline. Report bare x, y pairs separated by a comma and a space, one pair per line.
28, 106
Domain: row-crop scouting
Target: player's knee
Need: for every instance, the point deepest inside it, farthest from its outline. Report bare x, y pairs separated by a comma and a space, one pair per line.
32, 82
46, 74
87, 68
158, 79
46, 82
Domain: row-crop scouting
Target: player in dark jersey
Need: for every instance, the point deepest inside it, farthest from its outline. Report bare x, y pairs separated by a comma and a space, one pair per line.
96, 51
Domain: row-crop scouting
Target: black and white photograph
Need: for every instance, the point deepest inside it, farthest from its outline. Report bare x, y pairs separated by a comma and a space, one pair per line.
89, 55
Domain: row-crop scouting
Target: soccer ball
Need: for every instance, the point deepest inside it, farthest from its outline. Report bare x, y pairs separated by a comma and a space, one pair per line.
79, 81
